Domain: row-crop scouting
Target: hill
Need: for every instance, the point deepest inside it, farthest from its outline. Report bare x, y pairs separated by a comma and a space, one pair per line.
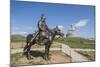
17, 38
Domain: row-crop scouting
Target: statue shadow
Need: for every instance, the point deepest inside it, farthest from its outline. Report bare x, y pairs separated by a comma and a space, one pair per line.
37, 53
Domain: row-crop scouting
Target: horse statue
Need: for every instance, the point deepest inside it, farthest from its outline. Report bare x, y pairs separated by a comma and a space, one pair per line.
40, 40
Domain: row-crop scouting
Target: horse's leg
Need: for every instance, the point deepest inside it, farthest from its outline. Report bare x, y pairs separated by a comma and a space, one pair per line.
28, 51
46, 57
48, 50
26, 46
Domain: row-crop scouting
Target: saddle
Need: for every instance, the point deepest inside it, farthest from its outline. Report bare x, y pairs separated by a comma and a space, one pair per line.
42, 37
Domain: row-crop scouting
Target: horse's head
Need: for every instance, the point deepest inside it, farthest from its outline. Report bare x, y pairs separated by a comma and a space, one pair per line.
57, 31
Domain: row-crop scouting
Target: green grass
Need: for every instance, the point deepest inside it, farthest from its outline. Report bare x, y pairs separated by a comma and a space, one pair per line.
13, 59
78, 42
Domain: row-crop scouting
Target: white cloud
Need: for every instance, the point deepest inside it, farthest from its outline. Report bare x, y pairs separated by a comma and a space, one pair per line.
21, 28
60, 27
81, 23
29, 28
19, 33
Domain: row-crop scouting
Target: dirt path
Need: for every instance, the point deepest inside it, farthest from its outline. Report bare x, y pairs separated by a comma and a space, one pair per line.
39, 49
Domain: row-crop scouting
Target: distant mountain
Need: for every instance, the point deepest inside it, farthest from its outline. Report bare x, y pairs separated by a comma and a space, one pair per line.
17, 38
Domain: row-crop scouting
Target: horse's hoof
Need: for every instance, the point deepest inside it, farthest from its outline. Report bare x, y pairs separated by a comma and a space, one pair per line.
47, 59
29, 58
23, 53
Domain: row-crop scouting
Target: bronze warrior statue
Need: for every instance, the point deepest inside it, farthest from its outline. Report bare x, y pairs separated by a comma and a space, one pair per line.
47, 36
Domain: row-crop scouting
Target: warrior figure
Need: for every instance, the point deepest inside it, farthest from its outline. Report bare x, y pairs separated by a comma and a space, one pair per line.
42, 27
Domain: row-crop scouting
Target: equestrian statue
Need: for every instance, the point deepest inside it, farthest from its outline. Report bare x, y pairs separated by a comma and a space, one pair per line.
44, 36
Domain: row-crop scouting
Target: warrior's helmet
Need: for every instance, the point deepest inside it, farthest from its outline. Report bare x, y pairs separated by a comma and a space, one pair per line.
42, 17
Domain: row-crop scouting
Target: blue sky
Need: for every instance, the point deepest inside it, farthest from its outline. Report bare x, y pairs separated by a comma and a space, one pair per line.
25, 16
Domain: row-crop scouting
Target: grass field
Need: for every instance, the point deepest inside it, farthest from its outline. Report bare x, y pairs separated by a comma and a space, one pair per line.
78, 42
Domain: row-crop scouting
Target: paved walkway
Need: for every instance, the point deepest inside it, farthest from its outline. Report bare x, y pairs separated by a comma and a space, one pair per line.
76, 57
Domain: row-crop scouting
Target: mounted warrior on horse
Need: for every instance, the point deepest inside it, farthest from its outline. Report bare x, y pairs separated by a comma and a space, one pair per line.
44, 36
